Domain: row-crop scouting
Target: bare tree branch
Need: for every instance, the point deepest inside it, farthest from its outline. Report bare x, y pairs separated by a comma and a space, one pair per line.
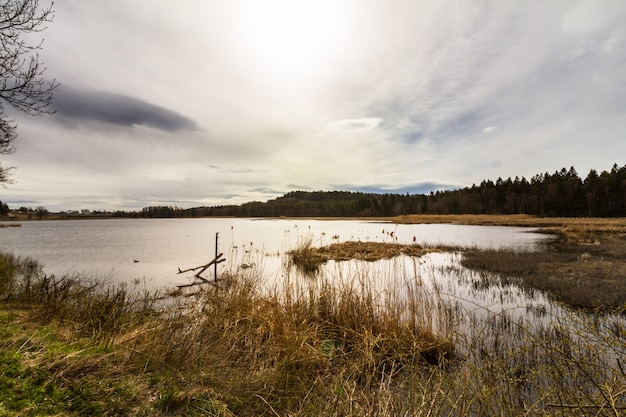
22, 83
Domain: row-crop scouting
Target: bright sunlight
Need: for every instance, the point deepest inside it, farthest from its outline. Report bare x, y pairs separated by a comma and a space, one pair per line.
294, 39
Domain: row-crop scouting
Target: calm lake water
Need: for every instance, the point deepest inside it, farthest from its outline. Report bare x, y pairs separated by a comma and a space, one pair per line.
151, 250
471, 301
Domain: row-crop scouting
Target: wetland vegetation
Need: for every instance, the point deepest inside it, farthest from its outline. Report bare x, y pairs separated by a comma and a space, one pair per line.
584, 265
74, 346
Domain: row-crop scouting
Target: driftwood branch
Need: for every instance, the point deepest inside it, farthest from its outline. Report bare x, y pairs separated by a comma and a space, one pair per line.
204, 281
203, 268
218, 259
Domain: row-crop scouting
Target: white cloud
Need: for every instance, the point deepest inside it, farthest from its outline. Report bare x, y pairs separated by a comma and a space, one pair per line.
590, 15
355, 125
402, 93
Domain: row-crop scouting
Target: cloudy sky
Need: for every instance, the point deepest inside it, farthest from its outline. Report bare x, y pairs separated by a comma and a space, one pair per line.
208, 102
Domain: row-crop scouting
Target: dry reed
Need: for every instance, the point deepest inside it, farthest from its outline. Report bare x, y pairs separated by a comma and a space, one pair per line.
299, 350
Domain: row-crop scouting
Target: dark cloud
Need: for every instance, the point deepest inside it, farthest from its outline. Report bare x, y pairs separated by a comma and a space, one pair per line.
267, 191
117, 109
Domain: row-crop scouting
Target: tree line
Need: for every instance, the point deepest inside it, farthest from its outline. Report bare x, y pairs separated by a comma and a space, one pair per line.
563, 193
4, 209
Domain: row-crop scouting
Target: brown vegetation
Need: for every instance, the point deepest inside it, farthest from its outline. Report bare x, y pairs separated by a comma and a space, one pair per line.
310, 258
550, 224
227, 350
582, 270
585, 266
73, 349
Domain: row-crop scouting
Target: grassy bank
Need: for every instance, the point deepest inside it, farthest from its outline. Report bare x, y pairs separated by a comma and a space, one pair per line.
76, 348
72, 347
583, 277
309, 258
584, 266
573, 224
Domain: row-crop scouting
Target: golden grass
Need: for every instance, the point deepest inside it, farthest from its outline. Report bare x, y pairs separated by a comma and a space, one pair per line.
574, 226
368, 251
233, 350
585, 266
309, 258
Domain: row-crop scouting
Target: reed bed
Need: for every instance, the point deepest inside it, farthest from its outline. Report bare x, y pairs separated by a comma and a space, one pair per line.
308, 258
589, 276
334, 344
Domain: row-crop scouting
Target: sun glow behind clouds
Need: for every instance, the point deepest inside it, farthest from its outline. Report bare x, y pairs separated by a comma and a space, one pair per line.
294, 39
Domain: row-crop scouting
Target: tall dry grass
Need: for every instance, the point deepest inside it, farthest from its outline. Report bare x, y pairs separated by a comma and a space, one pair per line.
325, 349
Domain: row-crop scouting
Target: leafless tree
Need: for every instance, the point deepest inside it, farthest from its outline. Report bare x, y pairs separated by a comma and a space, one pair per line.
22, 85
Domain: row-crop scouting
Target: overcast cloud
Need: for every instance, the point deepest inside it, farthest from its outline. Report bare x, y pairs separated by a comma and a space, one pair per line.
116, 109
223, 102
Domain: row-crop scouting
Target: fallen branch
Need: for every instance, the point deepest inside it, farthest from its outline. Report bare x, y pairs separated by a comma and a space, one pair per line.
203, 268
204, 281
218, 259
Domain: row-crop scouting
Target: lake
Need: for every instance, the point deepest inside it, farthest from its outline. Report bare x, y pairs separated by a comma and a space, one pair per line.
146, 253
479, 314
152, 250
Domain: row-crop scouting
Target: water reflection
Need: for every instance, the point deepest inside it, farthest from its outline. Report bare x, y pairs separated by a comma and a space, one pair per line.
149, 252
438, 277
109, 247
475, 309
435, 289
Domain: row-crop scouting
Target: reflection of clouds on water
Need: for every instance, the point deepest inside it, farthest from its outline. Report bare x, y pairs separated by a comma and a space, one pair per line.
448, 297
163, 245
440, 278
482, 315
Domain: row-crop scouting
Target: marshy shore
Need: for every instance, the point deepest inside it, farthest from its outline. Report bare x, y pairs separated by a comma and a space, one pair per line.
73, 346
584, 266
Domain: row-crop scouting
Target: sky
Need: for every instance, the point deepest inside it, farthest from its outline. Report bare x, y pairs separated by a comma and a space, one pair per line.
212, 102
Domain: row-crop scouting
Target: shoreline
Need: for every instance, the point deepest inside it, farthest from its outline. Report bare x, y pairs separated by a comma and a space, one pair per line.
612, 225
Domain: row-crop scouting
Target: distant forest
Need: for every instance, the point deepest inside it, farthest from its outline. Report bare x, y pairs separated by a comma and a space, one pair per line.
563, 193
